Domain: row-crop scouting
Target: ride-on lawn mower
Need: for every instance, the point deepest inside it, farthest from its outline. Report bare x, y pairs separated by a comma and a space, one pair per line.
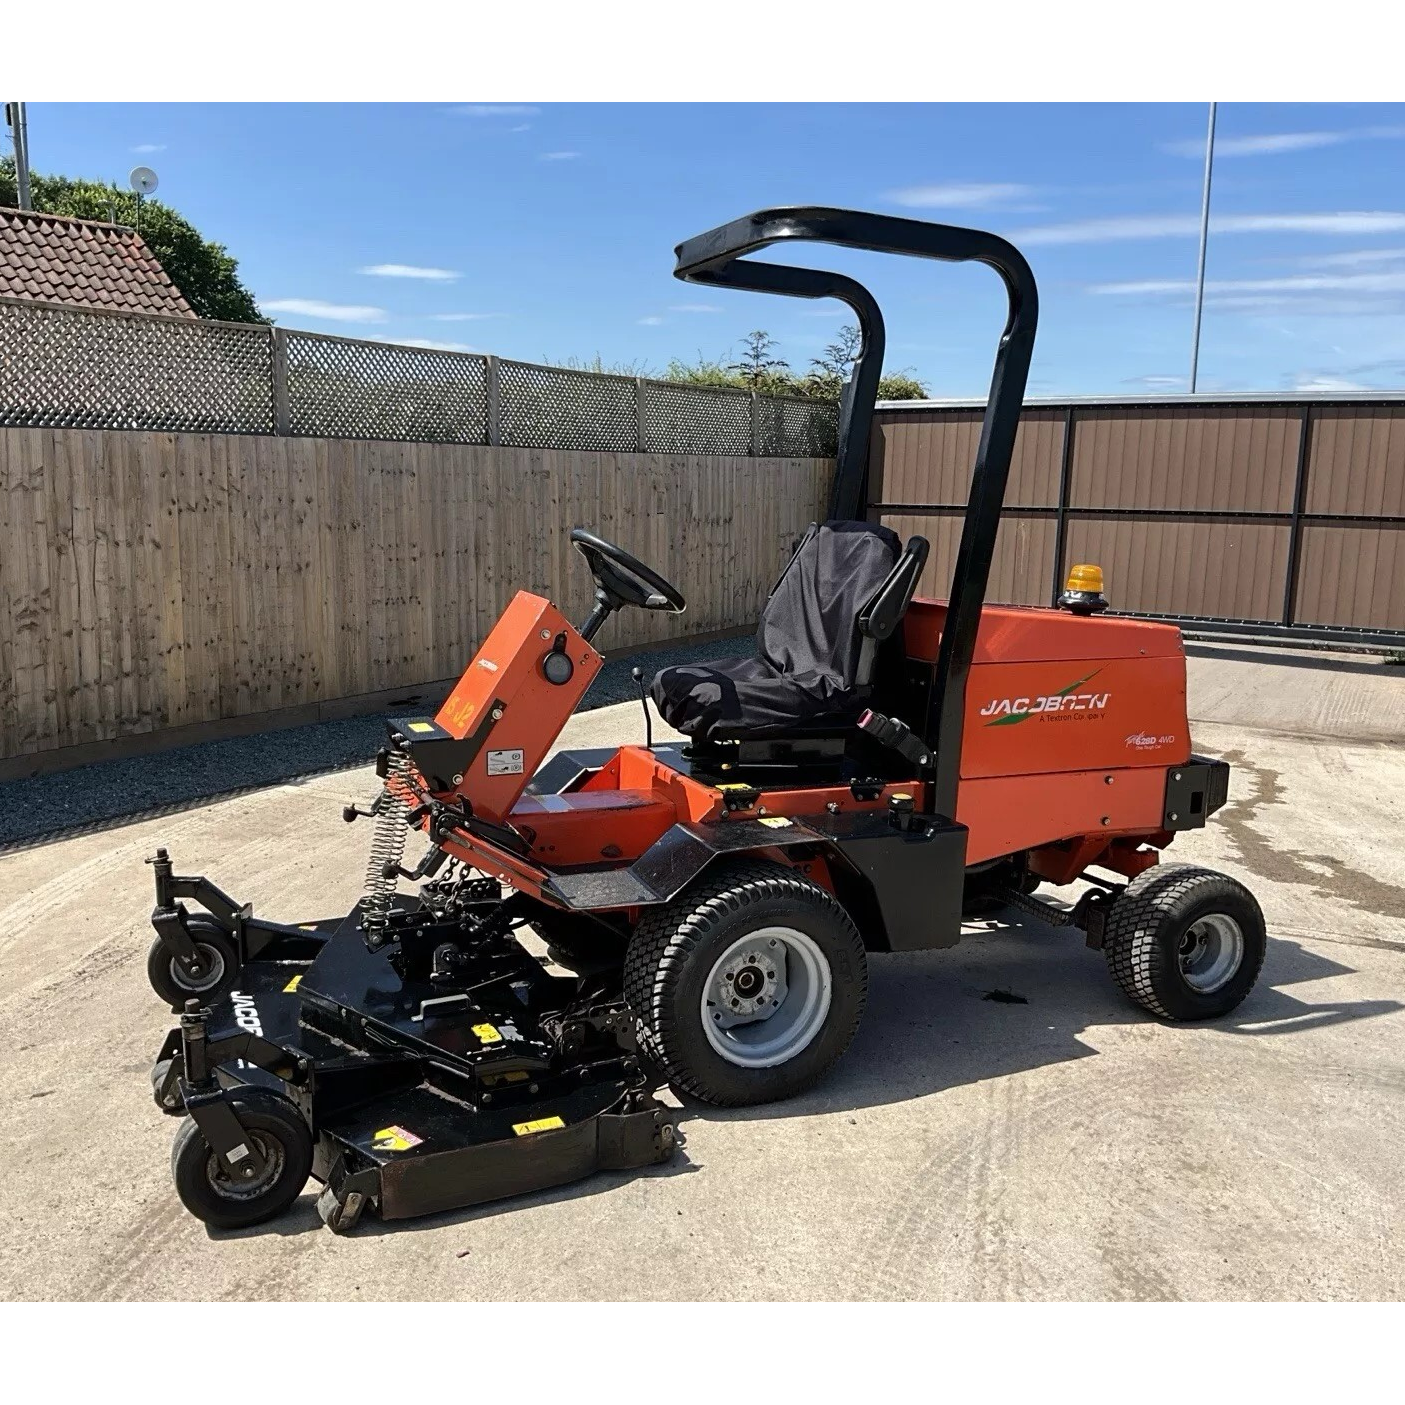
882, 765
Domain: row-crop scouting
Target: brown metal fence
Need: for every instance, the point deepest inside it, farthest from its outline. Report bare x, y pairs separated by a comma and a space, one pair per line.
1270, 517
65, 367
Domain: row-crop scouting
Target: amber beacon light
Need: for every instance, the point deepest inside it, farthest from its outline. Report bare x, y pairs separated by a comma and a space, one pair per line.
1083, 591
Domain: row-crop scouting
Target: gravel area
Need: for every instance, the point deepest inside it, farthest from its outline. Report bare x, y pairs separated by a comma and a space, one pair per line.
40, 807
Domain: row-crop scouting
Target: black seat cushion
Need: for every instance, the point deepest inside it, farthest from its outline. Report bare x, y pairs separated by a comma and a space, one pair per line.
804, 675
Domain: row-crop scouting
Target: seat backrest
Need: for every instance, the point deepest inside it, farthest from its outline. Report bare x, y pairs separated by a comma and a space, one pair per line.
809, 627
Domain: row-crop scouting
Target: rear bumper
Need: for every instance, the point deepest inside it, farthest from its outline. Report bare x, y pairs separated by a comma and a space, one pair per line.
1194, 792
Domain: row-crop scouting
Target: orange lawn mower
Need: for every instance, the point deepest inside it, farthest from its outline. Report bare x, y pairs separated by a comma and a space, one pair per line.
881, 766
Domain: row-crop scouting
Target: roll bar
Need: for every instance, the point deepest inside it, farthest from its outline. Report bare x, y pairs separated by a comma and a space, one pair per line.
716, 258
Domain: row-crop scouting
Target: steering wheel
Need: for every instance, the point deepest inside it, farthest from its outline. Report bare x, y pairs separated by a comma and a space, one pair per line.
622, 579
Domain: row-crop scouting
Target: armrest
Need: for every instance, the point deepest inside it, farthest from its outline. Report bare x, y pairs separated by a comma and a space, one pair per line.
888, 604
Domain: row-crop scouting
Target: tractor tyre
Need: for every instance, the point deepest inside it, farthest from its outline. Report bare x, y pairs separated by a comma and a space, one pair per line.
1185, 943
217, 951
747, 986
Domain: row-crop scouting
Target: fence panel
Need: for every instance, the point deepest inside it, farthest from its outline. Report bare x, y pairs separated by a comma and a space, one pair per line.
680, 419
546, 407
343, 389
1284, 517
62, 366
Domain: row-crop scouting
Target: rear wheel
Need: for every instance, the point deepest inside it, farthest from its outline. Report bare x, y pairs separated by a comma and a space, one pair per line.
1185, 943
219, 966
748, 986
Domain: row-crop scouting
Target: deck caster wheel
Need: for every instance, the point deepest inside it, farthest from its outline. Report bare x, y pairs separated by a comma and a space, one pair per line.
210, 1190
340, 1216
219, 964
1185, 943
167, 1099
748, 986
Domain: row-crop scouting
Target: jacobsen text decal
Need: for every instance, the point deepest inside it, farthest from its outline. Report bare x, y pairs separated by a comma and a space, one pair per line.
1005, 712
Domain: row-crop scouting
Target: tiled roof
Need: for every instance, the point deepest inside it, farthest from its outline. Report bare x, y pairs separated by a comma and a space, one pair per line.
52, 258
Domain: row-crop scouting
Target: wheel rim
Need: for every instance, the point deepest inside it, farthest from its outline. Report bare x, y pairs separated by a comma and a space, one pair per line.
1211, 952
766, 997
213, 960
229, 1187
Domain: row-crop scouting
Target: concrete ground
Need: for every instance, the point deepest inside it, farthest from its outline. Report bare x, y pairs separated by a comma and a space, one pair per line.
1070, 1147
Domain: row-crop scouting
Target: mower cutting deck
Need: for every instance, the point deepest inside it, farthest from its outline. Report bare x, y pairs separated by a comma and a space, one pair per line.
880, 766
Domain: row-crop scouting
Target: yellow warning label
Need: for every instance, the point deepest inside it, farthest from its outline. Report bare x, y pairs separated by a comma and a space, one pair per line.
541, 1124
394, 1139
307, 926
292, 985
487, 1033
733, 785
421, 726
776, 822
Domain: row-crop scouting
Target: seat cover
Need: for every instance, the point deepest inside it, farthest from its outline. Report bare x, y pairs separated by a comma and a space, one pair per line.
804, 674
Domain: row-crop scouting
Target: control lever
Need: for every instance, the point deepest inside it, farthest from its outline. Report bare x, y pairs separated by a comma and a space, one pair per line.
430, 864
351, 813
890, 732
637, 674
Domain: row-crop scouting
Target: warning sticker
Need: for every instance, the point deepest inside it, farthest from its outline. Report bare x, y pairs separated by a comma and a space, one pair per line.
292, 985
775, 822
394, 1139
487, 1033
421, 726
541, 1124
505, 763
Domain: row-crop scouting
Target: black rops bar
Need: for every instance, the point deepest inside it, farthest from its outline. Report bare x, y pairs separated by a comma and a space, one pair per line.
714, 258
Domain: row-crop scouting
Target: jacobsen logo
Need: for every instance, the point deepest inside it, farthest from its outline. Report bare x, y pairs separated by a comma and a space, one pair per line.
1005, 712
246, 1013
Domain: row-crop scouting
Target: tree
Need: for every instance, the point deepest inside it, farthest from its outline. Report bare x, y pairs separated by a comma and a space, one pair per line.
829, 371
203, 271
758, 369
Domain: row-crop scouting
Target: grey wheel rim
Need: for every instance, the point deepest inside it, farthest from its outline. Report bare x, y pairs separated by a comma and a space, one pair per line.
766, 997
213, 960
1211, 952
230, 1187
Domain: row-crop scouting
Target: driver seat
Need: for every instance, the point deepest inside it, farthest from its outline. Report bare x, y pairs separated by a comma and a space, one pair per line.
844, 591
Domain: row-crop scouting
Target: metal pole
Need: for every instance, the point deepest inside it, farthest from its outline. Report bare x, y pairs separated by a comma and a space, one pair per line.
1204, 239
19, 128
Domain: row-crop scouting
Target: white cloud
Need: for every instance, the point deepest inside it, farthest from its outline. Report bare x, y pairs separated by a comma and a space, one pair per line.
558, 156
1301, 283
694, 307
1353, 258
966, 196
1276, 143
430, 345
1315, 384
495, 109
462, 316
1157, 382
148, 147
651, 321
1102, 231
325, 311
410, 270
521, 127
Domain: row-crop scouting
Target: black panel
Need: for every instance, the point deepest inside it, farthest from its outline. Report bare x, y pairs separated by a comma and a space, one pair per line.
917, 875
1194, 792
567, 769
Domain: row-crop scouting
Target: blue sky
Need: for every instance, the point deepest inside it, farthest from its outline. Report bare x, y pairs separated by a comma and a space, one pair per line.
543, 231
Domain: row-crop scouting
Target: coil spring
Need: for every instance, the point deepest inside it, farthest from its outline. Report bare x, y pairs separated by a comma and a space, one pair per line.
387, 850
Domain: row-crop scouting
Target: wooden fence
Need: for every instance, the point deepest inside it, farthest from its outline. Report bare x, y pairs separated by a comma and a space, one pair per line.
155, 581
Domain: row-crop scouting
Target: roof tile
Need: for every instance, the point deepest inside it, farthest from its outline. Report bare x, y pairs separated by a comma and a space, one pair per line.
51, 258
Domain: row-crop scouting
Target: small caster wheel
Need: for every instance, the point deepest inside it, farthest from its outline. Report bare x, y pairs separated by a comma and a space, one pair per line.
340, 1216
167, 1099
219, 967
213, 1193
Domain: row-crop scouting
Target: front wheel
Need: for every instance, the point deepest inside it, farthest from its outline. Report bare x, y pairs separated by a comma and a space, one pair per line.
1185, 943
748, 986
219, 966
213, 1192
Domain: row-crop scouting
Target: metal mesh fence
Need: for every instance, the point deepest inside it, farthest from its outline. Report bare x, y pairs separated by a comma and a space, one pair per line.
687, 419
549, 408
799, 429
89, 369
93, 370
375, 390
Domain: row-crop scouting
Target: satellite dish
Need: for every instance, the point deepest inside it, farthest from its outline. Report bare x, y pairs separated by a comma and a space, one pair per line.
143, 180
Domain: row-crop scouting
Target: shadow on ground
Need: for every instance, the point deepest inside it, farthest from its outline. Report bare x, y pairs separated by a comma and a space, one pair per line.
931, 1026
